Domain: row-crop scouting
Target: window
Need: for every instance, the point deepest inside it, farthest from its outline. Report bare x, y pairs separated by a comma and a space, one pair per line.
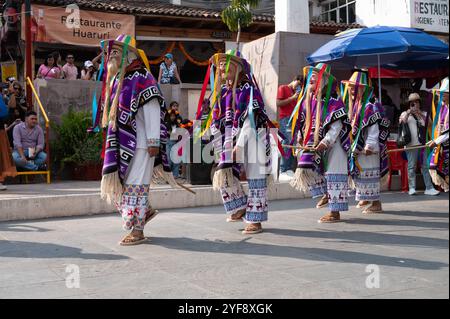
340, 11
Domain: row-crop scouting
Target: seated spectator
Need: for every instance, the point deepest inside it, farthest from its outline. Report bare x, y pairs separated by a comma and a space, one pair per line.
168, 71
29, 144
50, 69
69, 69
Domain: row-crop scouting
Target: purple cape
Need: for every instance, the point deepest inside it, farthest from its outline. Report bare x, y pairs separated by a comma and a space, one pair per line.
139, 87
373, 115
335, 112
441, 166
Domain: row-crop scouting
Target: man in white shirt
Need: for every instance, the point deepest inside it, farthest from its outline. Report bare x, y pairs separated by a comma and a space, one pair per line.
415, 118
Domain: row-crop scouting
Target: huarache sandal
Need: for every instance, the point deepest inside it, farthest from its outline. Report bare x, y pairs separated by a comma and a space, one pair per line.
330, 218
236, 217
252, 229
131, 240
373, 209
363, 204
323, 202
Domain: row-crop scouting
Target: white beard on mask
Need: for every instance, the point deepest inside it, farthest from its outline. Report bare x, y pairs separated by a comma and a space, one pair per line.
113, 67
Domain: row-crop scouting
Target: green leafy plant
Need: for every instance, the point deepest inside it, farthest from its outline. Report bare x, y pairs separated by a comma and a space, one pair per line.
73, 144
238, 15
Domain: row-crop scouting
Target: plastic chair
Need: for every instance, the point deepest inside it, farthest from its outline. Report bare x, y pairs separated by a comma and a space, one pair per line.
397, 163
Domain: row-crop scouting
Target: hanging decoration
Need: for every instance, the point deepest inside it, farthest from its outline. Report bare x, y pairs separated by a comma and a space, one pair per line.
191, 59
181, 47
161, 58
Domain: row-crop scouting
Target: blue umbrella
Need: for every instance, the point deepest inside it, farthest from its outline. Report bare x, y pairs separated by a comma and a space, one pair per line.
383, 47
361, 47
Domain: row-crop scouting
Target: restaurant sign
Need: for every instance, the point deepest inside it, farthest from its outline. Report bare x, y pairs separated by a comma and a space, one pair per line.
430, 15
69, 25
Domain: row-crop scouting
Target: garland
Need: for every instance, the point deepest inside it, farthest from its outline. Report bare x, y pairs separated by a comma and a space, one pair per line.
191, 59
181, 47
161, 58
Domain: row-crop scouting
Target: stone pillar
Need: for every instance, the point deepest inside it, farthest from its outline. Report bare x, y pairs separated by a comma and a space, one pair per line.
292, 16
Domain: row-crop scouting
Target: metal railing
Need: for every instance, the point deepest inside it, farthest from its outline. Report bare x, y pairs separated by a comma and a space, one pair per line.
47, 139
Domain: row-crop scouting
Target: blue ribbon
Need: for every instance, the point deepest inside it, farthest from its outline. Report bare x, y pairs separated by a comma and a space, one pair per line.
308, 79
96, 129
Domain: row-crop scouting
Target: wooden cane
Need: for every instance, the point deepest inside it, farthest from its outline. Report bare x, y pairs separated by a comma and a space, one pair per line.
186, 188
408, 148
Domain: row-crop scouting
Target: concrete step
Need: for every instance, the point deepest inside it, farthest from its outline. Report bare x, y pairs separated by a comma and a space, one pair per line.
67, 199
24, 202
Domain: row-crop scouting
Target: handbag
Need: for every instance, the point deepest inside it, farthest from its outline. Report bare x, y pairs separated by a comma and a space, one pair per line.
404, 135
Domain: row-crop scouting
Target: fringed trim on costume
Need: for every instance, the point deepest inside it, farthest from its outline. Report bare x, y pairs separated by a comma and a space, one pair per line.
224, 178
159, 174
304, 178
438, 180
384, 181
270, 181
351, 183
111, 188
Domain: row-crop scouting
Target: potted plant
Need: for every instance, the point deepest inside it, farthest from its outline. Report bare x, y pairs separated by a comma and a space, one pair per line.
77, 149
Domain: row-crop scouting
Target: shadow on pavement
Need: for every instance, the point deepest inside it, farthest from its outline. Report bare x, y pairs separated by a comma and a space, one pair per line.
361, 237
397, 222
23, 249
416, 214
316, 254
22, 228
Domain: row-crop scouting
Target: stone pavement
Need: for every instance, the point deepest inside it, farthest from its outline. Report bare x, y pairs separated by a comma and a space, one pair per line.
193, 253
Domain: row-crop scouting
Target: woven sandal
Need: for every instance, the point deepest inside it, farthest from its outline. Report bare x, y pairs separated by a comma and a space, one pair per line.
330, 218
363, 204
252, 229
373, 210
131, 240
323, 202
236, 217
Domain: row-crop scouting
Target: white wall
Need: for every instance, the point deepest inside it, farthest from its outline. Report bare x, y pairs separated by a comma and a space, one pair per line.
292, 16
383, 12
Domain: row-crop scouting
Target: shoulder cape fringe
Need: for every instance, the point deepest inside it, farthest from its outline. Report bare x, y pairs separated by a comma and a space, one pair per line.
270, 181
160, 175
224, 178
351, 183
384, 181
304, 178
438, 180
111, 188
